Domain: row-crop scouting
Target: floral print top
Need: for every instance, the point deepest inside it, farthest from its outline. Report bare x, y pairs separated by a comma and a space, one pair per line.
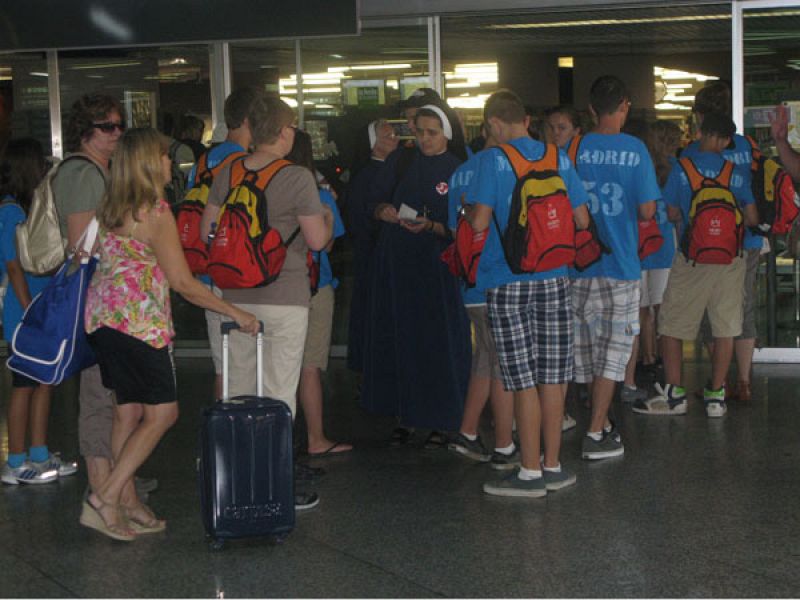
129, 291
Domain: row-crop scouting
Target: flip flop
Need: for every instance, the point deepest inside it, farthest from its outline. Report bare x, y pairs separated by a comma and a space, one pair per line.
330, 451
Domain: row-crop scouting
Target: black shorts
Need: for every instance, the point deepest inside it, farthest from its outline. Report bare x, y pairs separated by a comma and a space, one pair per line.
135, 370
20, 381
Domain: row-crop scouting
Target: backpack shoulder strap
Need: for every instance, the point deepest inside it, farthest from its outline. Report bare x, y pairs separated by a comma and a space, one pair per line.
201, 169
695, 177
519, 163
549, 160
755, 151
725, 174
85, 158
573, 150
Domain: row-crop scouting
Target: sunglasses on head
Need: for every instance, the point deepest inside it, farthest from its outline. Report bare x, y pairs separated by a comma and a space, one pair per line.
109, 127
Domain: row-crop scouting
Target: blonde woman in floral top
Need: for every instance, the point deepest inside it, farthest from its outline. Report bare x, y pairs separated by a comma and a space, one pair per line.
128, 316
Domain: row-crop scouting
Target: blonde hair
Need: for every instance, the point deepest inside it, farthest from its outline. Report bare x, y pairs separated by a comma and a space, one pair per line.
663, 140
137, 176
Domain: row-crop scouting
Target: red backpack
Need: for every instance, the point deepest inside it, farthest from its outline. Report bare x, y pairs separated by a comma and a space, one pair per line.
540, 231
246, 252
190, 212
464, 254
715, 231
776, 200
589, 248
650, 238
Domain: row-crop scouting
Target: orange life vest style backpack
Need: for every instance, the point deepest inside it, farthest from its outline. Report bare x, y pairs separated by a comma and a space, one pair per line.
715, 231
540, 232
776, 200
246, 252
190, 212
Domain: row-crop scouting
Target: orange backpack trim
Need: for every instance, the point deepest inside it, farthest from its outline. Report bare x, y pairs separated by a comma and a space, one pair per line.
260, 178
572, 152
696, 178
522, 166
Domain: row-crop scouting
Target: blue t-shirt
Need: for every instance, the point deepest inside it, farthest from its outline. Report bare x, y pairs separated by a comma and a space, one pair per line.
215, 156
740, 153
325, 274
462, 179
496, 181
678, 191
663, 258
12, 215
618, 175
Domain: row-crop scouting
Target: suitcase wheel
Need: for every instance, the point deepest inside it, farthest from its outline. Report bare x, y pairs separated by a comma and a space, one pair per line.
216, 545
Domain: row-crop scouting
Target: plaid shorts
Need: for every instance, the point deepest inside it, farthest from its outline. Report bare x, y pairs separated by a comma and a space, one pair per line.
532, 329
606, 323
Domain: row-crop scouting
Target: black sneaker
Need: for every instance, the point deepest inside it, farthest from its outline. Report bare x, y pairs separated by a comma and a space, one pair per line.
473, 449
305, 500
505, 462
303, 472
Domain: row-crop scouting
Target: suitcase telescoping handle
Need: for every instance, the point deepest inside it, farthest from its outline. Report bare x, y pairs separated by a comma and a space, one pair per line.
226, 329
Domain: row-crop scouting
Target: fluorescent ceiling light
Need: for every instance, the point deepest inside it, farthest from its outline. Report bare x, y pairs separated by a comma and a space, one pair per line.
336, 56
382, 66
323, 90
38, 74
679, 86
677, 98
393, 84
130, 63
597, 22
6, 78
468, 101
467, 84
325, 106
671, 106
307, 82
290, 101
566, 62
338, 69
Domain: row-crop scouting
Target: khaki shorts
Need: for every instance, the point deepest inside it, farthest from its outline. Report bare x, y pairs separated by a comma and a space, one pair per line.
484, 355
284, 336
96, 415
693, 289
654, 283
320, 325
213, 323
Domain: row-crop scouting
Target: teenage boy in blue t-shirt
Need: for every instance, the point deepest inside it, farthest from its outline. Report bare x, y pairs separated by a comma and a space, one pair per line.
695, 288
237, 140
620, 180
716, 98
484, 381
530, 314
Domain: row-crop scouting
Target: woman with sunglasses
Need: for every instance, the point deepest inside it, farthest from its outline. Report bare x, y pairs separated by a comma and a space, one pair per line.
94, 126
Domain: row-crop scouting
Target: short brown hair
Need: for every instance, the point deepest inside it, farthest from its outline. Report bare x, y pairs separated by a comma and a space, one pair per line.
86, 111
714, 98
267, 117
239, 103
506, 106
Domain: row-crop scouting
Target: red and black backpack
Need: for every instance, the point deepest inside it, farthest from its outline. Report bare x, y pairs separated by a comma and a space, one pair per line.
776, 200
540, 231
246, 251
463, 255
650, 238
189, 213
715, 230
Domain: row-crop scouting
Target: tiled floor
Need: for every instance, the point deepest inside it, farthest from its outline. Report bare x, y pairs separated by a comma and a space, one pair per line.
694, 508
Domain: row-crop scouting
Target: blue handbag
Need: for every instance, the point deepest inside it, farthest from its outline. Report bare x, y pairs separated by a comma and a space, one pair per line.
50, 343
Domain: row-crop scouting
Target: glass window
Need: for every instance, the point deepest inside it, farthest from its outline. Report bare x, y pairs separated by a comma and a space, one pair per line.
24, 101
772, 76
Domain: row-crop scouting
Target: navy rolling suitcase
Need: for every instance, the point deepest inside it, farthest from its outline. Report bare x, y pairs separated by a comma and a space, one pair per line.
245, 468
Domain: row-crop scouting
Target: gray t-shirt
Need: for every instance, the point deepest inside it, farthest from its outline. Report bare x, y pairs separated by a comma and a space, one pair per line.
78, 187
291, 193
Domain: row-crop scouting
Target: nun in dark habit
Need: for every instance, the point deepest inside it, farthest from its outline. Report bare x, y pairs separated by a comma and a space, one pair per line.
417, 336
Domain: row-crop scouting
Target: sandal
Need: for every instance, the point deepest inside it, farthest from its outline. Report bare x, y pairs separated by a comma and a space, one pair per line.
91, 517
435, 440
150, 524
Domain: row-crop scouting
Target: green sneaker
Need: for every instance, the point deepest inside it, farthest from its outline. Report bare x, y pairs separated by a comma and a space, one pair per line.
715, 402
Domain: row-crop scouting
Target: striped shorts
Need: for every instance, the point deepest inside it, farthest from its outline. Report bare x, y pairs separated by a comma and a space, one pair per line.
606, 323
532, 328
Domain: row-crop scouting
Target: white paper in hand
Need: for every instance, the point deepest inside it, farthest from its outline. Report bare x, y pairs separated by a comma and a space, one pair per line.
406, 213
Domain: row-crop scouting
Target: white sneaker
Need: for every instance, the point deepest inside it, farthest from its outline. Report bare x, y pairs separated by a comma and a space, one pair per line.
54, 463
568, 423
27, 473
669, 400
